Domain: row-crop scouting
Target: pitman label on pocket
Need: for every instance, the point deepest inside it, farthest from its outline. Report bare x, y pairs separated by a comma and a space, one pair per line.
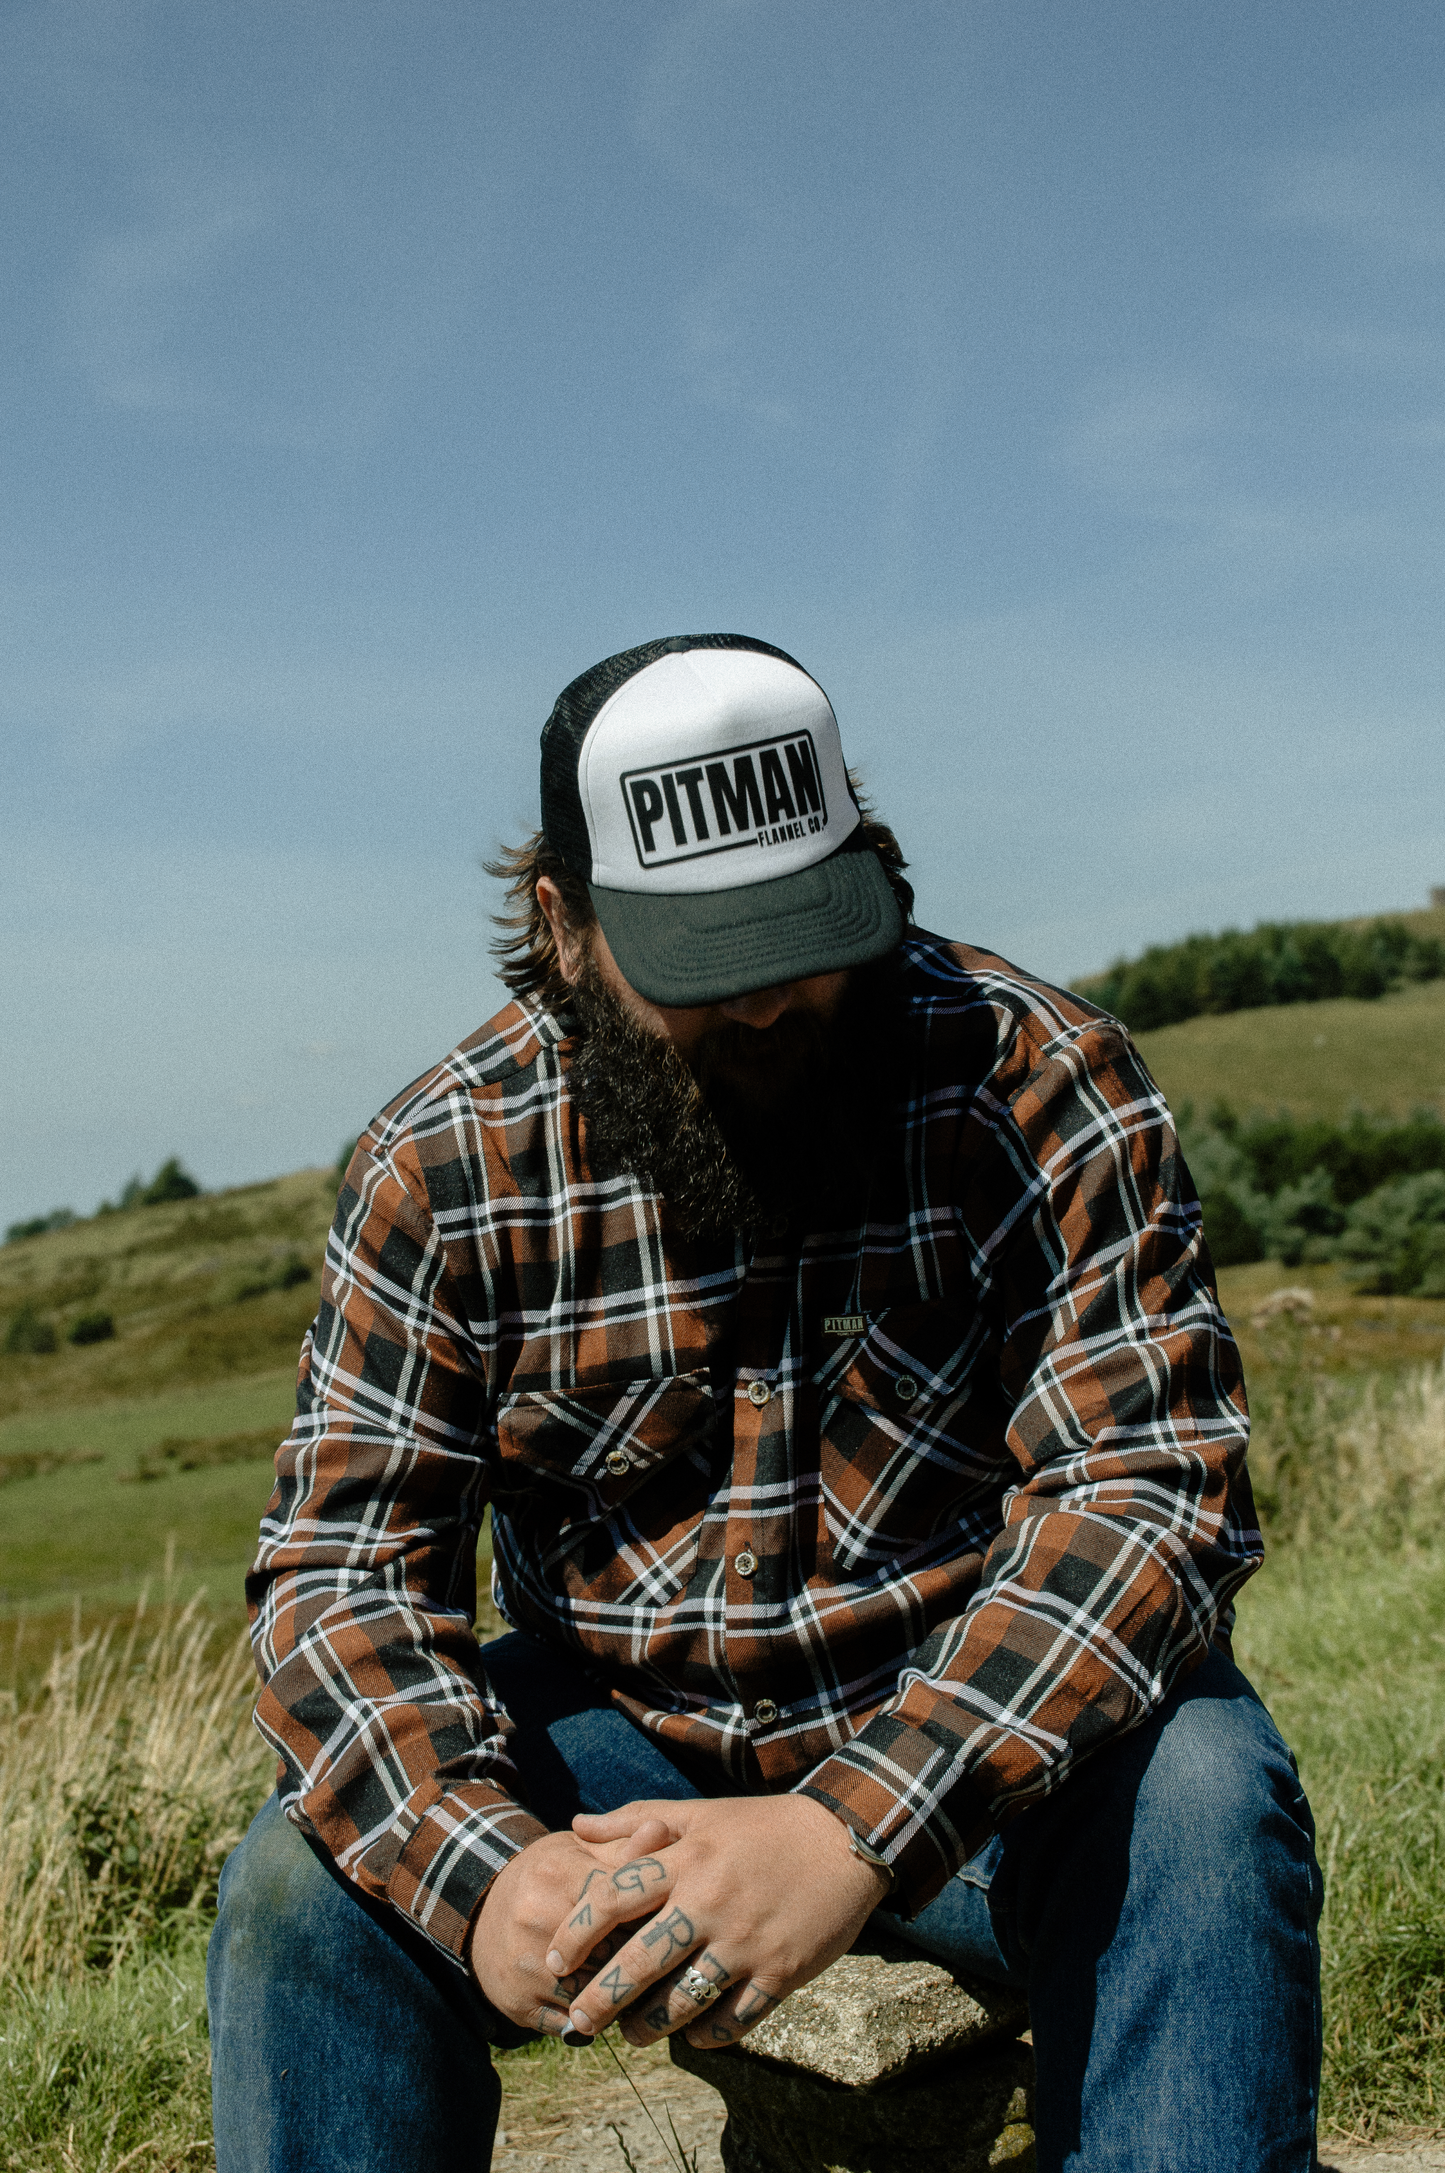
845, 1323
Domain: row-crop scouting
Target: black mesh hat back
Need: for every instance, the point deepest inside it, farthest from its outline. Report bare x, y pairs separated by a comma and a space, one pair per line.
563, 823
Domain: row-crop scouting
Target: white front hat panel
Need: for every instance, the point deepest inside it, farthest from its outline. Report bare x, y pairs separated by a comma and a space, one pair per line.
713, 769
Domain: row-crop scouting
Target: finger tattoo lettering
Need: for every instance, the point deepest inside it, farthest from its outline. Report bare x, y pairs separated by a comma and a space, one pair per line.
657, 2018
617, 1991
754, 2004
582, 1920
636, 1877
676, 1929
708, 1964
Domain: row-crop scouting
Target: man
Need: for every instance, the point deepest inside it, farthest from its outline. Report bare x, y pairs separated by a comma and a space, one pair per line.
823, 1311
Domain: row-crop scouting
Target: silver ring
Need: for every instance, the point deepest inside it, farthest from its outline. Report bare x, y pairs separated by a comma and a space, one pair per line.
699, 1989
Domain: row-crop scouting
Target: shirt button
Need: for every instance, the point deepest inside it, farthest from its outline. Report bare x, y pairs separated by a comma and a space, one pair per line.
905, 1388
619, 1463
759, 1393
745, 1563
765, 1712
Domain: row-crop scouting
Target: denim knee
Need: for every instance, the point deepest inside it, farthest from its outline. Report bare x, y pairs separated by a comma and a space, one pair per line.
341, 2039
1219, 1791
272, 1885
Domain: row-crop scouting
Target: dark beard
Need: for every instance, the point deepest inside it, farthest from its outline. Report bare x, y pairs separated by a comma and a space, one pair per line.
763, 1128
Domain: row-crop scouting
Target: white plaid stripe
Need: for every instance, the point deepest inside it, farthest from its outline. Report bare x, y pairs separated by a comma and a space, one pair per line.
957, 1596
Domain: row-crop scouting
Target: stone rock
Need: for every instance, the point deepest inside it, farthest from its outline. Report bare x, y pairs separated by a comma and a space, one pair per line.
880, 2012
965, 2116
887, 2061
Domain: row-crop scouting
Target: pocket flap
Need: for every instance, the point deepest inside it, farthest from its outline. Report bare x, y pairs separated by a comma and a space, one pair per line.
601, 1442
908, 1356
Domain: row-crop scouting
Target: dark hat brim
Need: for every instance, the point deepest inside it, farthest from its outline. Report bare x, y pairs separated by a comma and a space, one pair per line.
707, 946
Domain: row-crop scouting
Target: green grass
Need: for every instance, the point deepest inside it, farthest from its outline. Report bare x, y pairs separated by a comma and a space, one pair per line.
96, 1532
1344, 1632
202, 1351
1320, 1060
1348, 1651
115, 2063
184, 1285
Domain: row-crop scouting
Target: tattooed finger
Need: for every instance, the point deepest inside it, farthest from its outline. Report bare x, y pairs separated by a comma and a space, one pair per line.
638, 1877
676, 1930
743, 2012
669, 2006
606, 1900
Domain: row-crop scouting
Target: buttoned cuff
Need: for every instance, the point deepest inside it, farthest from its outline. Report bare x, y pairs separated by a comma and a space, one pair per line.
438, 1857
903, 1795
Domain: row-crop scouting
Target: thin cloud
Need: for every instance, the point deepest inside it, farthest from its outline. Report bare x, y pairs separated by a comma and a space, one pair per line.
1156, 444
129, 301
1382, 191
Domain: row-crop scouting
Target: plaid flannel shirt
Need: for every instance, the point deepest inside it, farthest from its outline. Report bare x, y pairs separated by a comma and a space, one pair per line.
981, 1499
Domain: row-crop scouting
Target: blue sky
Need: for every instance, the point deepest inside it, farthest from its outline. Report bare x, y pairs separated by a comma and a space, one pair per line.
1061, 383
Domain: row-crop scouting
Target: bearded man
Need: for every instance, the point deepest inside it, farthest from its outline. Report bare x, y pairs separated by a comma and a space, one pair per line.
823, 1312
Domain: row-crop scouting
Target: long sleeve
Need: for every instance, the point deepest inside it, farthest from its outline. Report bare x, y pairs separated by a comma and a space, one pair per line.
363, 1592
1131, 1523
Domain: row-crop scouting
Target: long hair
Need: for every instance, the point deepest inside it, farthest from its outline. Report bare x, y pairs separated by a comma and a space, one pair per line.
525, 952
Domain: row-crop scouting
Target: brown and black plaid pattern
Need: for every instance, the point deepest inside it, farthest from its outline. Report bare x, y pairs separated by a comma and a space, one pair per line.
911, 1513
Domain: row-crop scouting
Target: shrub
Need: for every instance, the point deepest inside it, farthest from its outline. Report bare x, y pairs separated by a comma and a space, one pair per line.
267, 1275
29, 1334
59, 1218
1397, 1236
93, 1328
1284, 1189
1304, 1219
122, 1789
1235, 1237
1278, 962
170, 1182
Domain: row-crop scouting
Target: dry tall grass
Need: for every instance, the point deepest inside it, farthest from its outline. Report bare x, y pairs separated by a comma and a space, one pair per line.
123, 1785
133, 1770
1347, 1457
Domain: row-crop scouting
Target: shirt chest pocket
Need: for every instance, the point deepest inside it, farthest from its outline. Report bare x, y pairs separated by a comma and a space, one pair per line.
896, 1465
604, 1487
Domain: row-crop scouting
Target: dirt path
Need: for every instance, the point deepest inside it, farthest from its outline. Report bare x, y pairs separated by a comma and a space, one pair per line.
571, 2124
569, 2120
1399, 2156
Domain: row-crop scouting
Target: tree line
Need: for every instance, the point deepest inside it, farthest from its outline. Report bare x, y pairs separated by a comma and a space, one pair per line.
1279, 962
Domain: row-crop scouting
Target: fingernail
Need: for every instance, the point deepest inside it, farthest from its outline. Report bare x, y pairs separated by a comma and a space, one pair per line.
574, 2038
581, 2021
554, 1962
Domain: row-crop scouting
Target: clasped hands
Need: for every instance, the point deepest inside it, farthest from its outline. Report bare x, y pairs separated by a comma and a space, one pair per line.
756, 1895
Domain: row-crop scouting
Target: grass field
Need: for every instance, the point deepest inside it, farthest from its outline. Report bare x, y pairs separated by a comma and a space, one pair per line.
210, 1299
1344, 1634
91, 1528
1347, 1648
1318, 1060
214, 1289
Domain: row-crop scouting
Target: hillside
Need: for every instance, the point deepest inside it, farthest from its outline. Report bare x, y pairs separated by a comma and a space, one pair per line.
164, 1431
163, 1434
200, 1290
1316, 1059
1275, 963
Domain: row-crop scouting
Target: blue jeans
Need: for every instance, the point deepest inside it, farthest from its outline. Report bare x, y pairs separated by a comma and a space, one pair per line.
1160, 1910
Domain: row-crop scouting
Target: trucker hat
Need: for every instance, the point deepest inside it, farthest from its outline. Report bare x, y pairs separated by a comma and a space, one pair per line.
697, 785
